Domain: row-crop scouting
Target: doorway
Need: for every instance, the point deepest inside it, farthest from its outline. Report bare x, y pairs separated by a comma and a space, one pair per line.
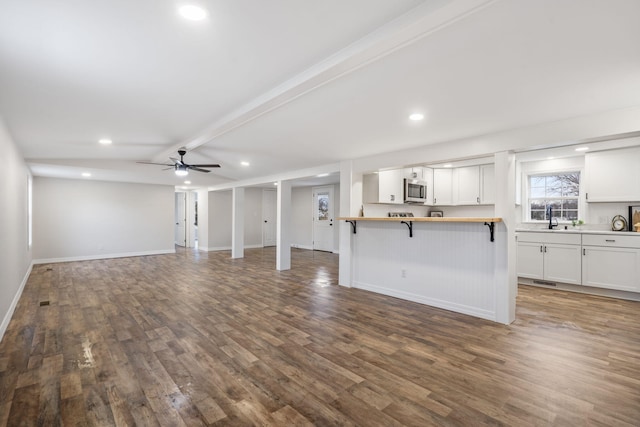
186, 219
323, 218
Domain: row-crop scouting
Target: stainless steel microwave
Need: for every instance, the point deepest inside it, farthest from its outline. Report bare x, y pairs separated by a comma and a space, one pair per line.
415, 191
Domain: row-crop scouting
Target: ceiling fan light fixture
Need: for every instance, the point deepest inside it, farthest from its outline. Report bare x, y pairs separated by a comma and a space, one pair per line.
181, 170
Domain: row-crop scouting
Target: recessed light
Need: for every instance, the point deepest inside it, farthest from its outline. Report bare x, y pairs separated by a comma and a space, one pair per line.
105, 141
187, 182
245, 163
550, 158
582, 148
448, 165
416, 117
86, 174
192, 12
322, 175
275, 183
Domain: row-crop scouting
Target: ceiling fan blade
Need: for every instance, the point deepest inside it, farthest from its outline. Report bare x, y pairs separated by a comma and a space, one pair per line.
152, 163
195, 168
206, 166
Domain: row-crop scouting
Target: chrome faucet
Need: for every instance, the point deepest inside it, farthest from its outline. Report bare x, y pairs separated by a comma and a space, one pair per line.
550, 214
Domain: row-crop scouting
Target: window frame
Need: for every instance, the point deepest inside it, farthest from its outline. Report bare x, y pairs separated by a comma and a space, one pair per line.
526, 211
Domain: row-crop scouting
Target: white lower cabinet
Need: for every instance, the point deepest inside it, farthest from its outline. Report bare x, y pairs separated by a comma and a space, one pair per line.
611, 262
551, 257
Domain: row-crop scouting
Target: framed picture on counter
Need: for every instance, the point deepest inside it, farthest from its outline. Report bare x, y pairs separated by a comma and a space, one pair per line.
435, 214
634, 217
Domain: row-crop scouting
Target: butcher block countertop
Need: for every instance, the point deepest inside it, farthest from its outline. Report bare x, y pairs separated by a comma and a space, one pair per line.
421, 219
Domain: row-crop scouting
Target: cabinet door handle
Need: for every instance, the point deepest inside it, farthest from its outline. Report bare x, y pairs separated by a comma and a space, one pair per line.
434, 200
609, 240
478, 199
584, 251
545, 249
540, 248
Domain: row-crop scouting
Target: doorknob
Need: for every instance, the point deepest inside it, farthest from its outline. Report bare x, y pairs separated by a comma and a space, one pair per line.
265, 221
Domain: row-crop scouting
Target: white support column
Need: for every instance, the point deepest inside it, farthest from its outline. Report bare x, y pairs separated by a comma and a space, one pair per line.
237, 219
350, 203
505, 238
283, 240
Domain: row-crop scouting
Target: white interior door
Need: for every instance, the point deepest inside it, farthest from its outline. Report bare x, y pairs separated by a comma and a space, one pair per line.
269, 212
192, 226
181, 218
323, 218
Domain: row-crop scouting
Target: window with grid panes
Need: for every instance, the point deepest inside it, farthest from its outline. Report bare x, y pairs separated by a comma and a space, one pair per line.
558, 190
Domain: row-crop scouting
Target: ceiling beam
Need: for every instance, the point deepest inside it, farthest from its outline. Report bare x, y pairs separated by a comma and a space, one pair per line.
414, 25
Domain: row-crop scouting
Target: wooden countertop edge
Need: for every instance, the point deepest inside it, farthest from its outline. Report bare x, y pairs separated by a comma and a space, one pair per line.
421, 219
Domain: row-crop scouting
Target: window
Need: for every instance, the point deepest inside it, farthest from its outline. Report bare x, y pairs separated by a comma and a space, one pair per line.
560, 191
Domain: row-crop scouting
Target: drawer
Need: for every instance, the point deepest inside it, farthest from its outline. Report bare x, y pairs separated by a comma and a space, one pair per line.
611, 240
570, 238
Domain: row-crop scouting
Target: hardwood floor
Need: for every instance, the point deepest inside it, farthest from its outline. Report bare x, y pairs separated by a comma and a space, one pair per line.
201, 339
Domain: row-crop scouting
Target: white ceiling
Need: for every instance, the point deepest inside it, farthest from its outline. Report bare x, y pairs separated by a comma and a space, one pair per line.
291, 84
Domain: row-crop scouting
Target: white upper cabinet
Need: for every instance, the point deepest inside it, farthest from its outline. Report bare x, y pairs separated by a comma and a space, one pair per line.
442, 187
474, 185
414, 173
487, 184
467, 185
384, 187
613, 176
428, 178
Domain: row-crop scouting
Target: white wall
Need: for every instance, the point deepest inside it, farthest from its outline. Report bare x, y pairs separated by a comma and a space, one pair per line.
15, 254
302, 217
220, 219
85, 219
253, 217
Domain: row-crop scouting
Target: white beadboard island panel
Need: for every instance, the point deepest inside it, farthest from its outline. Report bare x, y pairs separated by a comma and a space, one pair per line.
450, 265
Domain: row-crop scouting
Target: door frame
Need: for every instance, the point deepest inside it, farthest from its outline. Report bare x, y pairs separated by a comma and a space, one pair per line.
331, 190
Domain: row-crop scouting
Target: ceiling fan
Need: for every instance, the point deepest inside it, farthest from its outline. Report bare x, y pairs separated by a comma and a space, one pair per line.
181, 168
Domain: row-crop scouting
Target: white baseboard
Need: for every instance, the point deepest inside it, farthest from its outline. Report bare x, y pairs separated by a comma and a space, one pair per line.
309, 248
228, 248
103, 256
7, 318
447, 305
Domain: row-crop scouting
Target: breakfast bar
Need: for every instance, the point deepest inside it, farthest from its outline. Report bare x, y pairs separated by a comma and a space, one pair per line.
455, 263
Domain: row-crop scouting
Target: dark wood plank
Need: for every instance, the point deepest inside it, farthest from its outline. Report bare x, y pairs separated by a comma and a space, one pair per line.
203, 339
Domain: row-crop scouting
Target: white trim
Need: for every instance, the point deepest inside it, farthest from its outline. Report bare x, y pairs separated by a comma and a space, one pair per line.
306, 247
458, 308
589, 290
104, 256
14, 303
228, 248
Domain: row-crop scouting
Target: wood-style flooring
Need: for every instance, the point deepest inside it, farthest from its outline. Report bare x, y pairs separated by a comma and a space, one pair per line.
201, 339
